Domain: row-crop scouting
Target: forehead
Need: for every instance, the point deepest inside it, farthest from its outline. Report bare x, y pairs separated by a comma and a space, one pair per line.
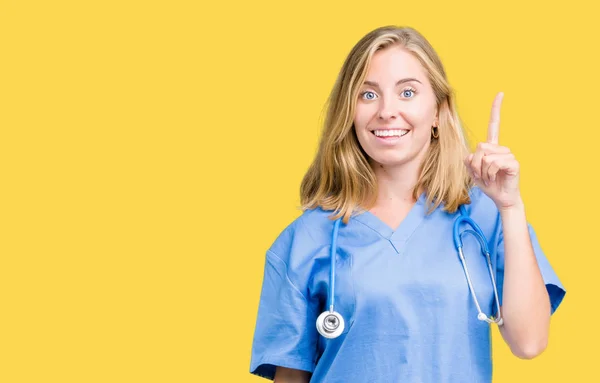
395, 63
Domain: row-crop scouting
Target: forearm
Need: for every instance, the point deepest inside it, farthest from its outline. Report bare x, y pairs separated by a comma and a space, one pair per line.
289, 375
526, 305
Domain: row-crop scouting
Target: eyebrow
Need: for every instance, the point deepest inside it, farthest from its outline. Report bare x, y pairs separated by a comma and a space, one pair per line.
372, 83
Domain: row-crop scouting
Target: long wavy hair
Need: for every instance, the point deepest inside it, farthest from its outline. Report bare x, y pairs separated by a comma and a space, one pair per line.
340, 177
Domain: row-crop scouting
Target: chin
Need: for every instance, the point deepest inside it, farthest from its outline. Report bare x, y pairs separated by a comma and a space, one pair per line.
391, 160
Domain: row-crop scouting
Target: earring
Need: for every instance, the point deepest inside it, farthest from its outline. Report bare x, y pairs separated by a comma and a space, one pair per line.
434, 132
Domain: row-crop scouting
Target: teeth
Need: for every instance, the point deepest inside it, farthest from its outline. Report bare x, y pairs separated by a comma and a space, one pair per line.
389, 133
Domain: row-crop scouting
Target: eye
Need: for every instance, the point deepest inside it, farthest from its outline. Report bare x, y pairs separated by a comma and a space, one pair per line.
409, 92
368, 95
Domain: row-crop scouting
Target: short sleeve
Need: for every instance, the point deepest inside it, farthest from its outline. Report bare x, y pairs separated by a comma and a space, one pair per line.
556, 290
285, 333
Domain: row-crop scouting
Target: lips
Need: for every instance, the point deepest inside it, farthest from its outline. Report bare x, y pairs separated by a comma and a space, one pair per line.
391, 139
384, 133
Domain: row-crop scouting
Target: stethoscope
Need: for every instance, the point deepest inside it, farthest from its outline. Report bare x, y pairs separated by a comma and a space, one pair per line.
330, 323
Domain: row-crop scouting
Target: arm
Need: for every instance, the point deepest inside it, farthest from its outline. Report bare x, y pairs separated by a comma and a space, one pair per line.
526, 304
285, 332
289, 375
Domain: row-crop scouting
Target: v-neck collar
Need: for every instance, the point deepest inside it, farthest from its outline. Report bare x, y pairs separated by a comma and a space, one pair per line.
407, 227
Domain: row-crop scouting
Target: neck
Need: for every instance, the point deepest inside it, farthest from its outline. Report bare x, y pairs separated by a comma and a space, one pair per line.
396, 183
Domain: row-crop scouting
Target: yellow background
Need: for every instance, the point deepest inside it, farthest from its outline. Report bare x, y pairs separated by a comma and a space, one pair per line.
151, 151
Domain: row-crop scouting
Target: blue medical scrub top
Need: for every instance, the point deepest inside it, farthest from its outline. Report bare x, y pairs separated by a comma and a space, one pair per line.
403, 295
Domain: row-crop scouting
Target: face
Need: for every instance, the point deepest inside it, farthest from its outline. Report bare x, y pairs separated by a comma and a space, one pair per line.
396, 109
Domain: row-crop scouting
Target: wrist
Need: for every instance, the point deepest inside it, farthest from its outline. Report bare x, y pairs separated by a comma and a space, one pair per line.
516, 206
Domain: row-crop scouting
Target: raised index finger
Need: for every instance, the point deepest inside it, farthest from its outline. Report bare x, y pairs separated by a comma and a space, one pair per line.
494, 127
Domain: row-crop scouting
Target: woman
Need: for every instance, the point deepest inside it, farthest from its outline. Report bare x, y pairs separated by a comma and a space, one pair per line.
394, 166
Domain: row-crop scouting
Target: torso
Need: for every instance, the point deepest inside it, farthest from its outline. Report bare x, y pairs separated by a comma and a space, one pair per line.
401, 289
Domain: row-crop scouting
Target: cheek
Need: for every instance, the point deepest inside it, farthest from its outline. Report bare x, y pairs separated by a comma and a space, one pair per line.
362, 116
420, 117
417, 112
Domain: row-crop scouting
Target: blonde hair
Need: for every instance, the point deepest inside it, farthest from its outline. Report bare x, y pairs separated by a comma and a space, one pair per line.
340, 177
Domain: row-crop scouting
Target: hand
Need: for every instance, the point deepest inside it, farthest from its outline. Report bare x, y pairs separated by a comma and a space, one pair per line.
493, 167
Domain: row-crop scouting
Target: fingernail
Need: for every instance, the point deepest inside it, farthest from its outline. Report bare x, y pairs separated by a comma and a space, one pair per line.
486, 183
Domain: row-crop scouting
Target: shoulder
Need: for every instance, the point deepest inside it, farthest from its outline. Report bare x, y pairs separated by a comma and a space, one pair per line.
304, 234
480, 202
483, 210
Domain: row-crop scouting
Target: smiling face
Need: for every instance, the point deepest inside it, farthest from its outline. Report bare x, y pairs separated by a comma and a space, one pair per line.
396, 109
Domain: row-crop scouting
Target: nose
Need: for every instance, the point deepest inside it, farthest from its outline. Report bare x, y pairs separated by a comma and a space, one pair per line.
389, 108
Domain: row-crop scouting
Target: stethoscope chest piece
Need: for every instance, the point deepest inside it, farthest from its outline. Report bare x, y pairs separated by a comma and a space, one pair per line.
330, 324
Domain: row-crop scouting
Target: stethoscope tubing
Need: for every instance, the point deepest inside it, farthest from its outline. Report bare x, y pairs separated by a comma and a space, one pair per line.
330, 324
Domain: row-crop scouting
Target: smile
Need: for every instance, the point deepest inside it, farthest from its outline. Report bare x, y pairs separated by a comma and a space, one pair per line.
390, 137
390, 133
